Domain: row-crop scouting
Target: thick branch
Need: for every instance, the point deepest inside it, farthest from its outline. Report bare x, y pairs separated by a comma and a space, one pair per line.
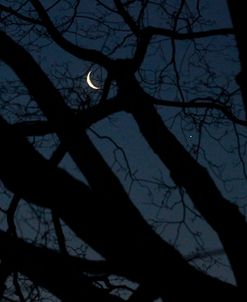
126, 17
145, 36
61, 275
79, 52
188, 173
34, 128
158, 31
86, 118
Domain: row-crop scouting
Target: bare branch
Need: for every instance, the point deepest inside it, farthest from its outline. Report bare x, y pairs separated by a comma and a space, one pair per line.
68, 271
81, 53
200, 103
127, 18
18, 15
152, 31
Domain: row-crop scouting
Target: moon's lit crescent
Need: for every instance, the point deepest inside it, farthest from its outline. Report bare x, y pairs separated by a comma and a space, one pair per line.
90, 83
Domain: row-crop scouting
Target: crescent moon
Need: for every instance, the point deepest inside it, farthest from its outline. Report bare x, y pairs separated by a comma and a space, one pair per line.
90, 83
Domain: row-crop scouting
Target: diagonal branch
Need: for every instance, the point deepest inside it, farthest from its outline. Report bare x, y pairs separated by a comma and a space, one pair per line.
188, 173
62, 275
79, 52
126, 17
86, 118
15, 13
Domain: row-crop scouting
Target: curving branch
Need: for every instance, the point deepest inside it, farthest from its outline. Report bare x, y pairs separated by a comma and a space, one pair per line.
79, 52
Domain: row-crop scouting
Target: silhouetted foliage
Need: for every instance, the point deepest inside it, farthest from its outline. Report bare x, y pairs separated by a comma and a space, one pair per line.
137, 190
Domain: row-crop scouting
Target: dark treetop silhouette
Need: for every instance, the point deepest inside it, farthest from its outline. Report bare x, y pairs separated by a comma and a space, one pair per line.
170, 71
